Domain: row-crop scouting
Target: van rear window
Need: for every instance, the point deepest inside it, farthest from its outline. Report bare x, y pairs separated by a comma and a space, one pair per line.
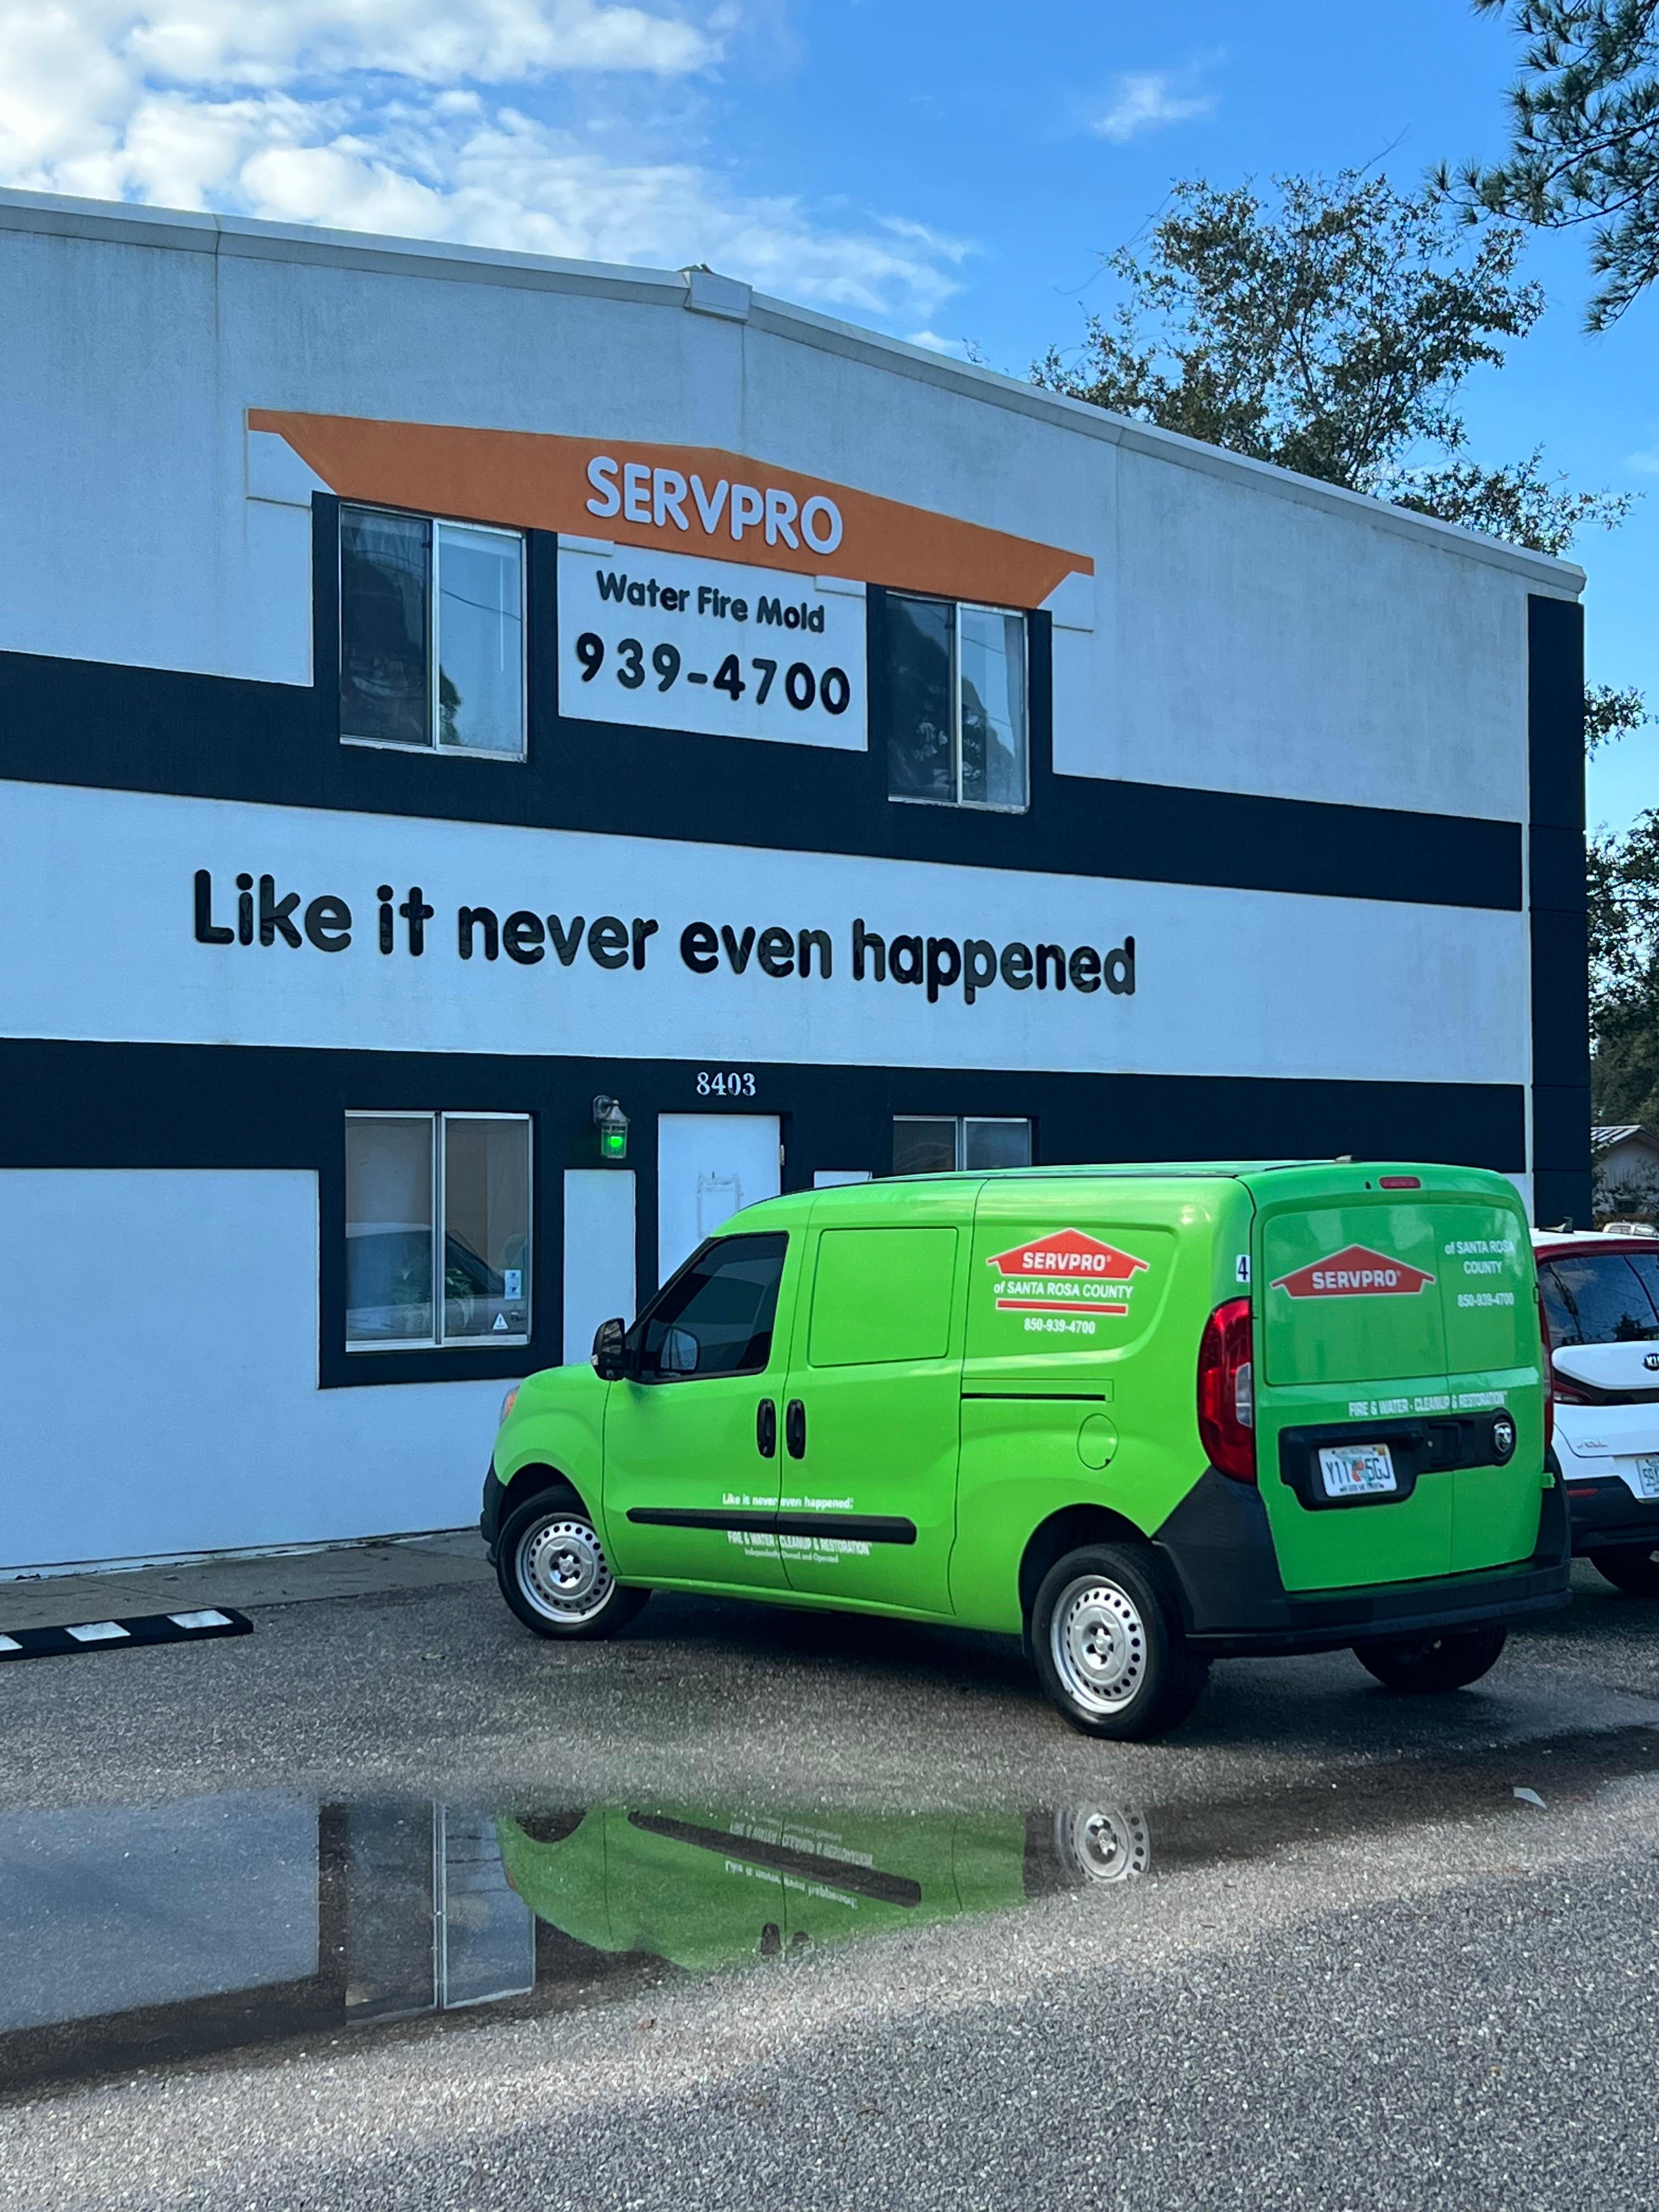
1600, 1297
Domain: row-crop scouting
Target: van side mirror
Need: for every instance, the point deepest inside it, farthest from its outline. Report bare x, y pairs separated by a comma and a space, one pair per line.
610, 1351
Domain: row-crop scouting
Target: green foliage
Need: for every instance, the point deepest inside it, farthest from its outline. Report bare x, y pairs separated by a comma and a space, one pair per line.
1584, 138
1520, 504
1611, 714
1327, 333
1623, 877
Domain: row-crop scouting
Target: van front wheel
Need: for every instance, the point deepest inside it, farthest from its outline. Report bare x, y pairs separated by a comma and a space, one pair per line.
1449, 1661
1106, 1642
554, 1573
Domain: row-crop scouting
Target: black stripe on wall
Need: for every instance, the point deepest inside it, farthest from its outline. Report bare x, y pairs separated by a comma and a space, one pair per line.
1560, 950
134, 729
84, 1105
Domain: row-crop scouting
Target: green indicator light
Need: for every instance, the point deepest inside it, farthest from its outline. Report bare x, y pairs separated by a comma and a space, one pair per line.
612, 1125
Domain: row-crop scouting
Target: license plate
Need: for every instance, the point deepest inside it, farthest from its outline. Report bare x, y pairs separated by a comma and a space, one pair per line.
1646, 1472
1356, 1470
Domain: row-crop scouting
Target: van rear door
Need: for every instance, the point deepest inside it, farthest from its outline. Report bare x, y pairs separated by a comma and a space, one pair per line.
1401, 1314
1352, 1358
1494, 1358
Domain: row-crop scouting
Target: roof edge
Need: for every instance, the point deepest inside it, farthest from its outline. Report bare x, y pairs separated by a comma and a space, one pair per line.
183, 230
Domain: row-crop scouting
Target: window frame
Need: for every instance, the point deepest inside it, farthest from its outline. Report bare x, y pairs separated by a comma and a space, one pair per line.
1026, 1122
634, 1339
435, 747
972, 805
436, 1118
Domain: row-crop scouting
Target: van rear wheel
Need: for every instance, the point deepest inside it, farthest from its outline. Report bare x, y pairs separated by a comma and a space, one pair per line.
1107, 1645
1631, 1567
554, 1573
1426, 1663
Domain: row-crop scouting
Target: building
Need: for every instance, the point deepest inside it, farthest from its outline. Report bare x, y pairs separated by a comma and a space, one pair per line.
450, 700
1625, 1157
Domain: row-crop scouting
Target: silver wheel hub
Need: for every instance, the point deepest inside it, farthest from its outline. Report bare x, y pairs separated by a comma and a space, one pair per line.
1103, 1842
562, 1569
1097, 1640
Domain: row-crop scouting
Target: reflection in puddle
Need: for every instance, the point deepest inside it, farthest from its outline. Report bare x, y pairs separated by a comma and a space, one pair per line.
709, 1888
132, 1935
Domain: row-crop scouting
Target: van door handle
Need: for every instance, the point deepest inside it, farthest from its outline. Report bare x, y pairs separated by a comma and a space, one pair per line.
766, 1429
794, 1428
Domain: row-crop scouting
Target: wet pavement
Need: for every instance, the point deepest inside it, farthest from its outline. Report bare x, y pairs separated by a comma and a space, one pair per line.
388, 1903
138, 1935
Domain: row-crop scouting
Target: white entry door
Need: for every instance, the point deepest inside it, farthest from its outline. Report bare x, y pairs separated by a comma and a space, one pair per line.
709, 1166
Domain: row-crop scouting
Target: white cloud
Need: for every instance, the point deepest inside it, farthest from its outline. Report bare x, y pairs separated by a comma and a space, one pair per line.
1647, 462
958, 348
420, 118
1147, 101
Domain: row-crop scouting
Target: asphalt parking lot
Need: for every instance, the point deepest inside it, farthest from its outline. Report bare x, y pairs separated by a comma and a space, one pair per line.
753, 1907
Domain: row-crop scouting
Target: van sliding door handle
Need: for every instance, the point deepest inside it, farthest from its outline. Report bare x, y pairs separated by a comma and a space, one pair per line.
794, 1428
766, 1429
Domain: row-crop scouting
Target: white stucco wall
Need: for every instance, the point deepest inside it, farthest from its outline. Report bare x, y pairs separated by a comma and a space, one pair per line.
1244, 631
1251, 631
96, 901
160, 1331
1269, 645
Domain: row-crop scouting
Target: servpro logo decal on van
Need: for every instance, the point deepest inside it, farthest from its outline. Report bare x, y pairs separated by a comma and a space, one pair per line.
1069, 1271
1357, 1272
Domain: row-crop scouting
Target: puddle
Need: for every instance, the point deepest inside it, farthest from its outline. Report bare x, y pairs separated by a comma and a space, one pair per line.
134, 1936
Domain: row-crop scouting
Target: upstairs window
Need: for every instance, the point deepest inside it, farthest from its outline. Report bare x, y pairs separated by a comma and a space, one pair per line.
956, 703
431, 633
940, 1143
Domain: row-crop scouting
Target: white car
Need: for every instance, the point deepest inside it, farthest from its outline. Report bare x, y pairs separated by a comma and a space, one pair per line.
1601, 1303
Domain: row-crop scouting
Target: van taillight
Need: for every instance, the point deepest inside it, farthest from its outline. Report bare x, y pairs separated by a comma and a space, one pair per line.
1549, 1375
1226, 1391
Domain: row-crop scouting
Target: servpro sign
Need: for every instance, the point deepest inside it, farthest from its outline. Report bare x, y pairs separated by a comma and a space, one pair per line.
1067, 1270
657, 500
1354, 1273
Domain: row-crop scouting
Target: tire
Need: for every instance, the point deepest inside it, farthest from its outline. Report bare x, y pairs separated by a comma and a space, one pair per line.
553, 1571
1100, 1843
1107, 1645
1631, 1567
1425, 1664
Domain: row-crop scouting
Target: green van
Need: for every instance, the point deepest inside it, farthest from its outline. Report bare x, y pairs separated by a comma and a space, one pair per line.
702, 1886
1141, 1416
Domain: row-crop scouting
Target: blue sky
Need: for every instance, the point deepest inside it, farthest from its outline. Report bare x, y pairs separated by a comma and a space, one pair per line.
953, 172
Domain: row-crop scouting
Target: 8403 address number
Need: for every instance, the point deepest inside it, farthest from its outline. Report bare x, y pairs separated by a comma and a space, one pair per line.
725, 1083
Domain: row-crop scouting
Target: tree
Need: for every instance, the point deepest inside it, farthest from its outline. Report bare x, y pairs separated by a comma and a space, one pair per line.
1623, 882
1584, 138
1519, 503
1611, 714
1329, 334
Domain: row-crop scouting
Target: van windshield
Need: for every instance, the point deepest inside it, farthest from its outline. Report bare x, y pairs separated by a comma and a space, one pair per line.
1600, 1297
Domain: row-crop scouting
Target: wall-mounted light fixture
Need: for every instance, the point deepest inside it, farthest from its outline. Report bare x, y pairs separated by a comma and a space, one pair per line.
612, 1125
